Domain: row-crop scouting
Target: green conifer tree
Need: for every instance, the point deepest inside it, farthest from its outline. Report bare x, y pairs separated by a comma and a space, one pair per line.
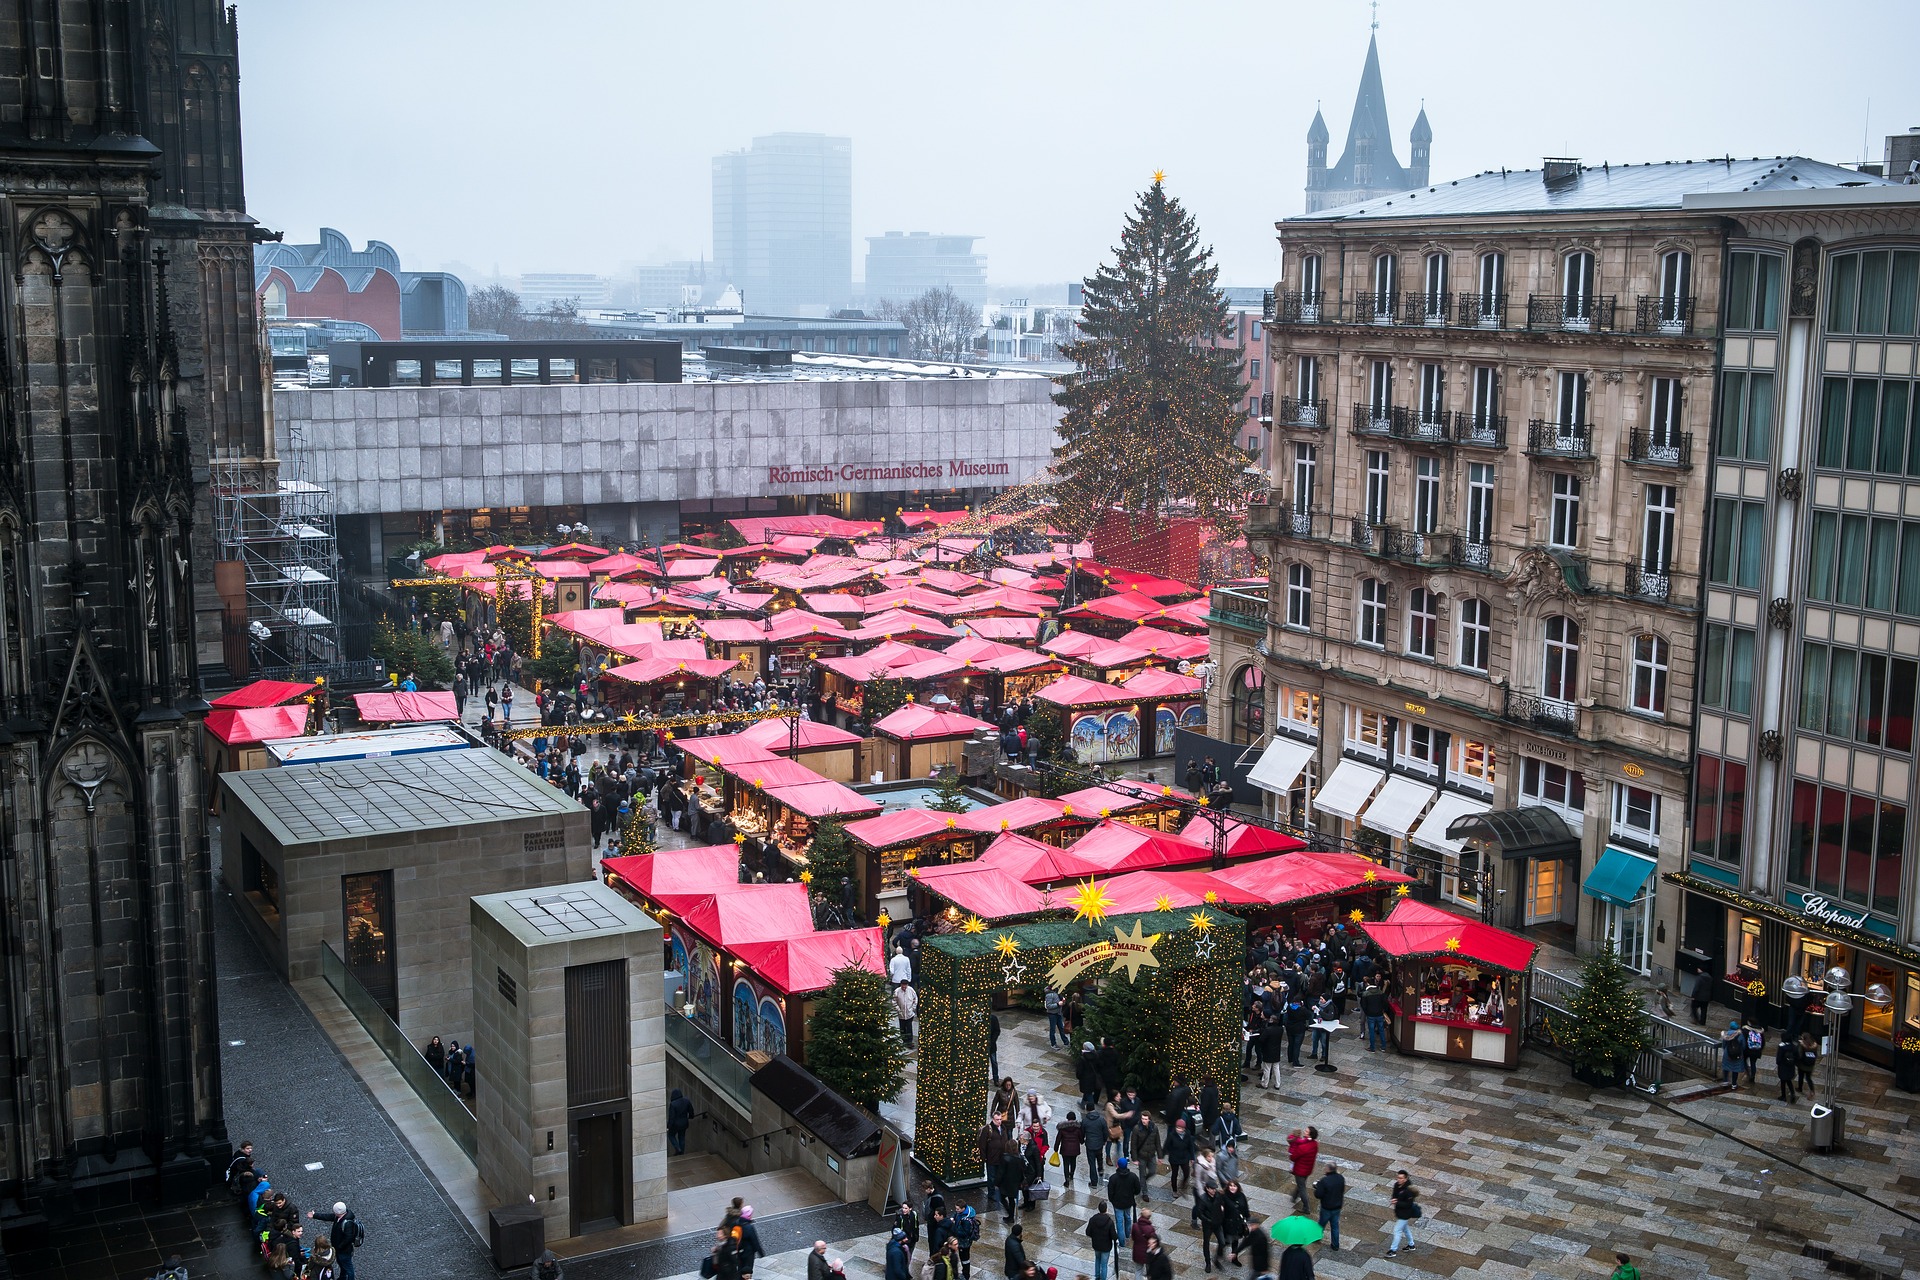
1136, 1017
1153, 413
856, 1049
829, 858
1604, 1032
950, 795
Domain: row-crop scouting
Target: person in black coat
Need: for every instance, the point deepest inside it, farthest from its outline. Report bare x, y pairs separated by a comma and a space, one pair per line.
1010, 1179
1179, 1098
1016, 1253
1331, 1192
1211, 1211
1036, 1166
1209, 1104
1296, 1264
1297, 1019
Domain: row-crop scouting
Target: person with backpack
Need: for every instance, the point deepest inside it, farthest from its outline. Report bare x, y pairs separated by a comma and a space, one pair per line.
966, 1233
320, 1263
238, 1168
747, 1245
1406, 1207
344, 1233
1756, 1046
1733, 1055
908, 1223
1786, 1063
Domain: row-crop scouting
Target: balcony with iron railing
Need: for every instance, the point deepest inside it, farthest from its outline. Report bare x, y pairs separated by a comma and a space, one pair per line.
1469, 554
1302, 413
1649, 584
1559, 439
1266, 306
1480, 430
1266, 408
1412, 547
1374, 306
1664, 448
1305, 307
1432, 309
1552, 714
1663, 314
1483, 310
1376, 419
1571, 313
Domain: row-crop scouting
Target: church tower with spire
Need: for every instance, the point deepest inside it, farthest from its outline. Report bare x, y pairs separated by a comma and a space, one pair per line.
1368, 166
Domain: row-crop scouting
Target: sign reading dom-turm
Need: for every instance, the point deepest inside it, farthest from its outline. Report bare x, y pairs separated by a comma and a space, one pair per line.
937, 472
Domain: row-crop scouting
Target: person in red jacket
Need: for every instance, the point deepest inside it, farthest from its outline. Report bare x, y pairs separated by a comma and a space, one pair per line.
1304, 1151
1141, 1237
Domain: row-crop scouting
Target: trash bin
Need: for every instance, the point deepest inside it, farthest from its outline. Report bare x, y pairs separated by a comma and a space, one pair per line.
1826, 1128
518, 1235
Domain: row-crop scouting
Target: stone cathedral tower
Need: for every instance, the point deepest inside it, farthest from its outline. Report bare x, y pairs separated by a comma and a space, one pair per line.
1367, 168
131, 360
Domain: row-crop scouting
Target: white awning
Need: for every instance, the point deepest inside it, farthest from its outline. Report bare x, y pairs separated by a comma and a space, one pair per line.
1280, 765
1398, 806
1347, 788
1432, 831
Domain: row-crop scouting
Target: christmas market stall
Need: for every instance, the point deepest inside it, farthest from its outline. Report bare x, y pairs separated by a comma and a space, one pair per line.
1307, 891
777, 647
405, 707
1041, 817
844, 681
795, 809
1102, 720
236, 738
1175, 703
671, 881
1010, 673
773, 995
1459, 988
889, 845
977, 890
917, 739
832, 753
1157, 807
663, 685
1244, 839
705, 940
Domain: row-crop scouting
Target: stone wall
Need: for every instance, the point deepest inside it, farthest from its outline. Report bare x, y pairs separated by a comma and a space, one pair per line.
765, 1139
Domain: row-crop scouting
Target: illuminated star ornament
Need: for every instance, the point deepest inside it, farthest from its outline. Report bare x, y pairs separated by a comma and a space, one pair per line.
1163, 903
1159, 175
1356, 915
806, 877
1006, 944
1133, 951
1453, 944
1371, 876
974, 924
1011, 966
1202, 924
883, 920
1402, 890
1090, 902
1212, 897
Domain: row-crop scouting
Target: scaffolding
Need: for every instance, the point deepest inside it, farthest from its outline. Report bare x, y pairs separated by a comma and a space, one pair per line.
278, 527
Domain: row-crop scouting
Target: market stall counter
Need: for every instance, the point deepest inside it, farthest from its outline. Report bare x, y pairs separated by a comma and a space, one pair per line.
1459, 988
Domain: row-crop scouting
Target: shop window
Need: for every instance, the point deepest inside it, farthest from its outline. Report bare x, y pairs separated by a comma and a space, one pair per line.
1877, 1020
1719, 808
1913, 1005
1366, 732
1300, 710
1249, 709
1460, 881
1630, 929
1749, 943
1420, 749
1473, 764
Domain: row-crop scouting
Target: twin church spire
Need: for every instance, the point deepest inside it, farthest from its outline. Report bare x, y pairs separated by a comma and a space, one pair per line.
1368, 166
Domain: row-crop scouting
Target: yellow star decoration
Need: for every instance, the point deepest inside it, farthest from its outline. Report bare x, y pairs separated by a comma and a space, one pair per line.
1163, 903
1402, 890
1159, 175
1212, 897
1004, 824
806, 877
1202, 802
1453, 944
1200, 921
630, 718
738, 839
1138, 954
1090, 902
974, 924
1356, 915
914, 872
1166, 791
1066, 811
952, 823
1006, 944
1106, 813
883, 920
1371, 876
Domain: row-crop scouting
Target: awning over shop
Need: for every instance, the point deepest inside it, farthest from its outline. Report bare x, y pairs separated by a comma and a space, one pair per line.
1532, 832
1618, 877
805, 964
1447, 808
1399, 806
1280, 765
1347, 789
983, 889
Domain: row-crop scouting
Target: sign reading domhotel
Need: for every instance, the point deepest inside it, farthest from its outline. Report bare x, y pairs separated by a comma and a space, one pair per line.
856, 472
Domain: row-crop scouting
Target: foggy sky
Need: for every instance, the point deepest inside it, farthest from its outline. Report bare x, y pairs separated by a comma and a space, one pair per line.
577, 135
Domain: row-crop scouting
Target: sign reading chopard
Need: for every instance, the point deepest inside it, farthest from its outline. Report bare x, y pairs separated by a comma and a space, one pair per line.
827, 473
1816, 907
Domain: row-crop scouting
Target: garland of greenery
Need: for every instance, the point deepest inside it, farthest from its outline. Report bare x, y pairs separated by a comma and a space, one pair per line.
960, 973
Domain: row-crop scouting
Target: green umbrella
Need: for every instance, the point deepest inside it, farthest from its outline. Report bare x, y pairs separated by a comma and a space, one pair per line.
1296, 1230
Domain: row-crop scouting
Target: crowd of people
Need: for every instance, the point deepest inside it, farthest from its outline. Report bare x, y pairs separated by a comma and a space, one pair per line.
276, 1228
452, 1062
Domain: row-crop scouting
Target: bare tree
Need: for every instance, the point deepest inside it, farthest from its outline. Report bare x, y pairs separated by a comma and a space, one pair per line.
498, 309
940, 324
494, 309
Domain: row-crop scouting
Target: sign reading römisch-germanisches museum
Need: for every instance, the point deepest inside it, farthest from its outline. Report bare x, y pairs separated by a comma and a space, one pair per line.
826, 473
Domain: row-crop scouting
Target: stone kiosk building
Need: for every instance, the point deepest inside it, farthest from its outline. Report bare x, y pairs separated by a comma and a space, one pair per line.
1493, 400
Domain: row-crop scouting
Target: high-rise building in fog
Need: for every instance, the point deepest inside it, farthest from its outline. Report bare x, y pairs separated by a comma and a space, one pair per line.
901, 267
783, 221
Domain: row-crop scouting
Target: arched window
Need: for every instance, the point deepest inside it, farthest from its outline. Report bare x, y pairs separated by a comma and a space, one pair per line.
273, 302
1576, 281
1560, 665
1299, 596
1249, 698
1372, 626
1676, 291
1310, 280
1423, 623
1476, 634
1433, 308
1650, 674
1386, 287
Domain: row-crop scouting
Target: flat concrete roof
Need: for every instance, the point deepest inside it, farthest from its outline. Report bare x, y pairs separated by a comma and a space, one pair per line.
306, 804
564, 913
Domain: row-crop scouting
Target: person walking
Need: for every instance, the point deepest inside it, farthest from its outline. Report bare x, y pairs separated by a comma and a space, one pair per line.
898, 1265
1014, 1252
1699, 996
1733, 1055
966, 1233
1211, 1210
344, 1233
1373, 1007
1303, 1153
905, 1005
817, 1268
1406, 1207
1123, 1192
1011, 1179
1159, 1265
1056, 1025
1786, 1062
1179, 1152
748, 1244
1295, 1264
1086, 1073
1271, 1048
1809, 1059
1756, 1047
1624, 1268
1069, 1136
1102, 1232
1142, 1237
679, 1118
1331, 1191
1146, 1144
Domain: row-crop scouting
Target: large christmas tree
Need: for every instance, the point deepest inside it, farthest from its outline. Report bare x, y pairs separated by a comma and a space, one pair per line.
1136, 1015
1153, 413
855, 1047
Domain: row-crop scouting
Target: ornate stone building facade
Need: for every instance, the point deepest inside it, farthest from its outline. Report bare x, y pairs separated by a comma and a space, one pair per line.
130, 358
1490, 487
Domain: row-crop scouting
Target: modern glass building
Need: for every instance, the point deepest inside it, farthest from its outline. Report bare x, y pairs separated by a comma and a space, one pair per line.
783, 222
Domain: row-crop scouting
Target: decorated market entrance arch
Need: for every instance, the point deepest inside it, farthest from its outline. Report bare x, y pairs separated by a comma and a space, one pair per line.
1195, 955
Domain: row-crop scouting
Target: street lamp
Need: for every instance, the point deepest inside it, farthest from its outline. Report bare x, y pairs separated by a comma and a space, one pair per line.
1829, 1119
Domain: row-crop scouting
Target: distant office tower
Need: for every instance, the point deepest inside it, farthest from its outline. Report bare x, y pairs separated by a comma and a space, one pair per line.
544, 289
783, 221
902, 266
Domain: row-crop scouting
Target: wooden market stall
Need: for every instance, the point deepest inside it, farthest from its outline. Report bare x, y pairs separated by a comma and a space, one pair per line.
664, 684
673, 880
832, 753
781, 980
1043, 818
1011, 673
1161, 812
704, 940
404, 707
916, 740
1170, 702
1307, 891
976, 889
235, 738
777, 647
1102, 720
888, 846
844, 680
1459, 987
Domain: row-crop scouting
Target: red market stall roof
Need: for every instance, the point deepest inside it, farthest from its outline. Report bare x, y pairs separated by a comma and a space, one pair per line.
1417, 931
654, 670
835, 603
762, 528
630, 595
1026, 629
724, 750
1121, 846
902, 826
1148, 584
552, 570
403, 707
678, 879
1009, 599
1244, 840
1142, 890
823, 799
1033, 861
1025, 814
1119, 608
916, 722
1089, 801
1117, 653
1305, 876
1163, 684
772, 774
991, 655
952, 581
898, 622
617, 564
916, 664
262, 693
805, 965
591, 624
938, 519
1074, 644
258, 724
1076, 691
777, 735
1191, 615
1166, 644
982, 889
575, 551
447, 561
741, 913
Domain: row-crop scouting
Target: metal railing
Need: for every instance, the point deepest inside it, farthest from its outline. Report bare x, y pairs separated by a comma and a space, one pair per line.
1481, 430
1571, 314
1663, 315
1674, 1044
1361, 533
1483, 311
1473, 555
1301, 308
1669, 448
448, 1107
1266, 406
1266, 306
1548, 713
709, 1059
1375, 306
1302, 413
1427, 308
1240, 609
1376, 419
1651, 585
1560, 439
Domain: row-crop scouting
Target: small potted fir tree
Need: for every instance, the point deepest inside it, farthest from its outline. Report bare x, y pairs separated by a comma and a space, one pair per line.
1605, 1029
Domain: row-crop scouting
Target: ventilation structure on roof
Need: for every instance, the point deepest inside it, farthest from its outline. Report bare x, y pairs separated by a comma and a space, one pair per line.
1559, 173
